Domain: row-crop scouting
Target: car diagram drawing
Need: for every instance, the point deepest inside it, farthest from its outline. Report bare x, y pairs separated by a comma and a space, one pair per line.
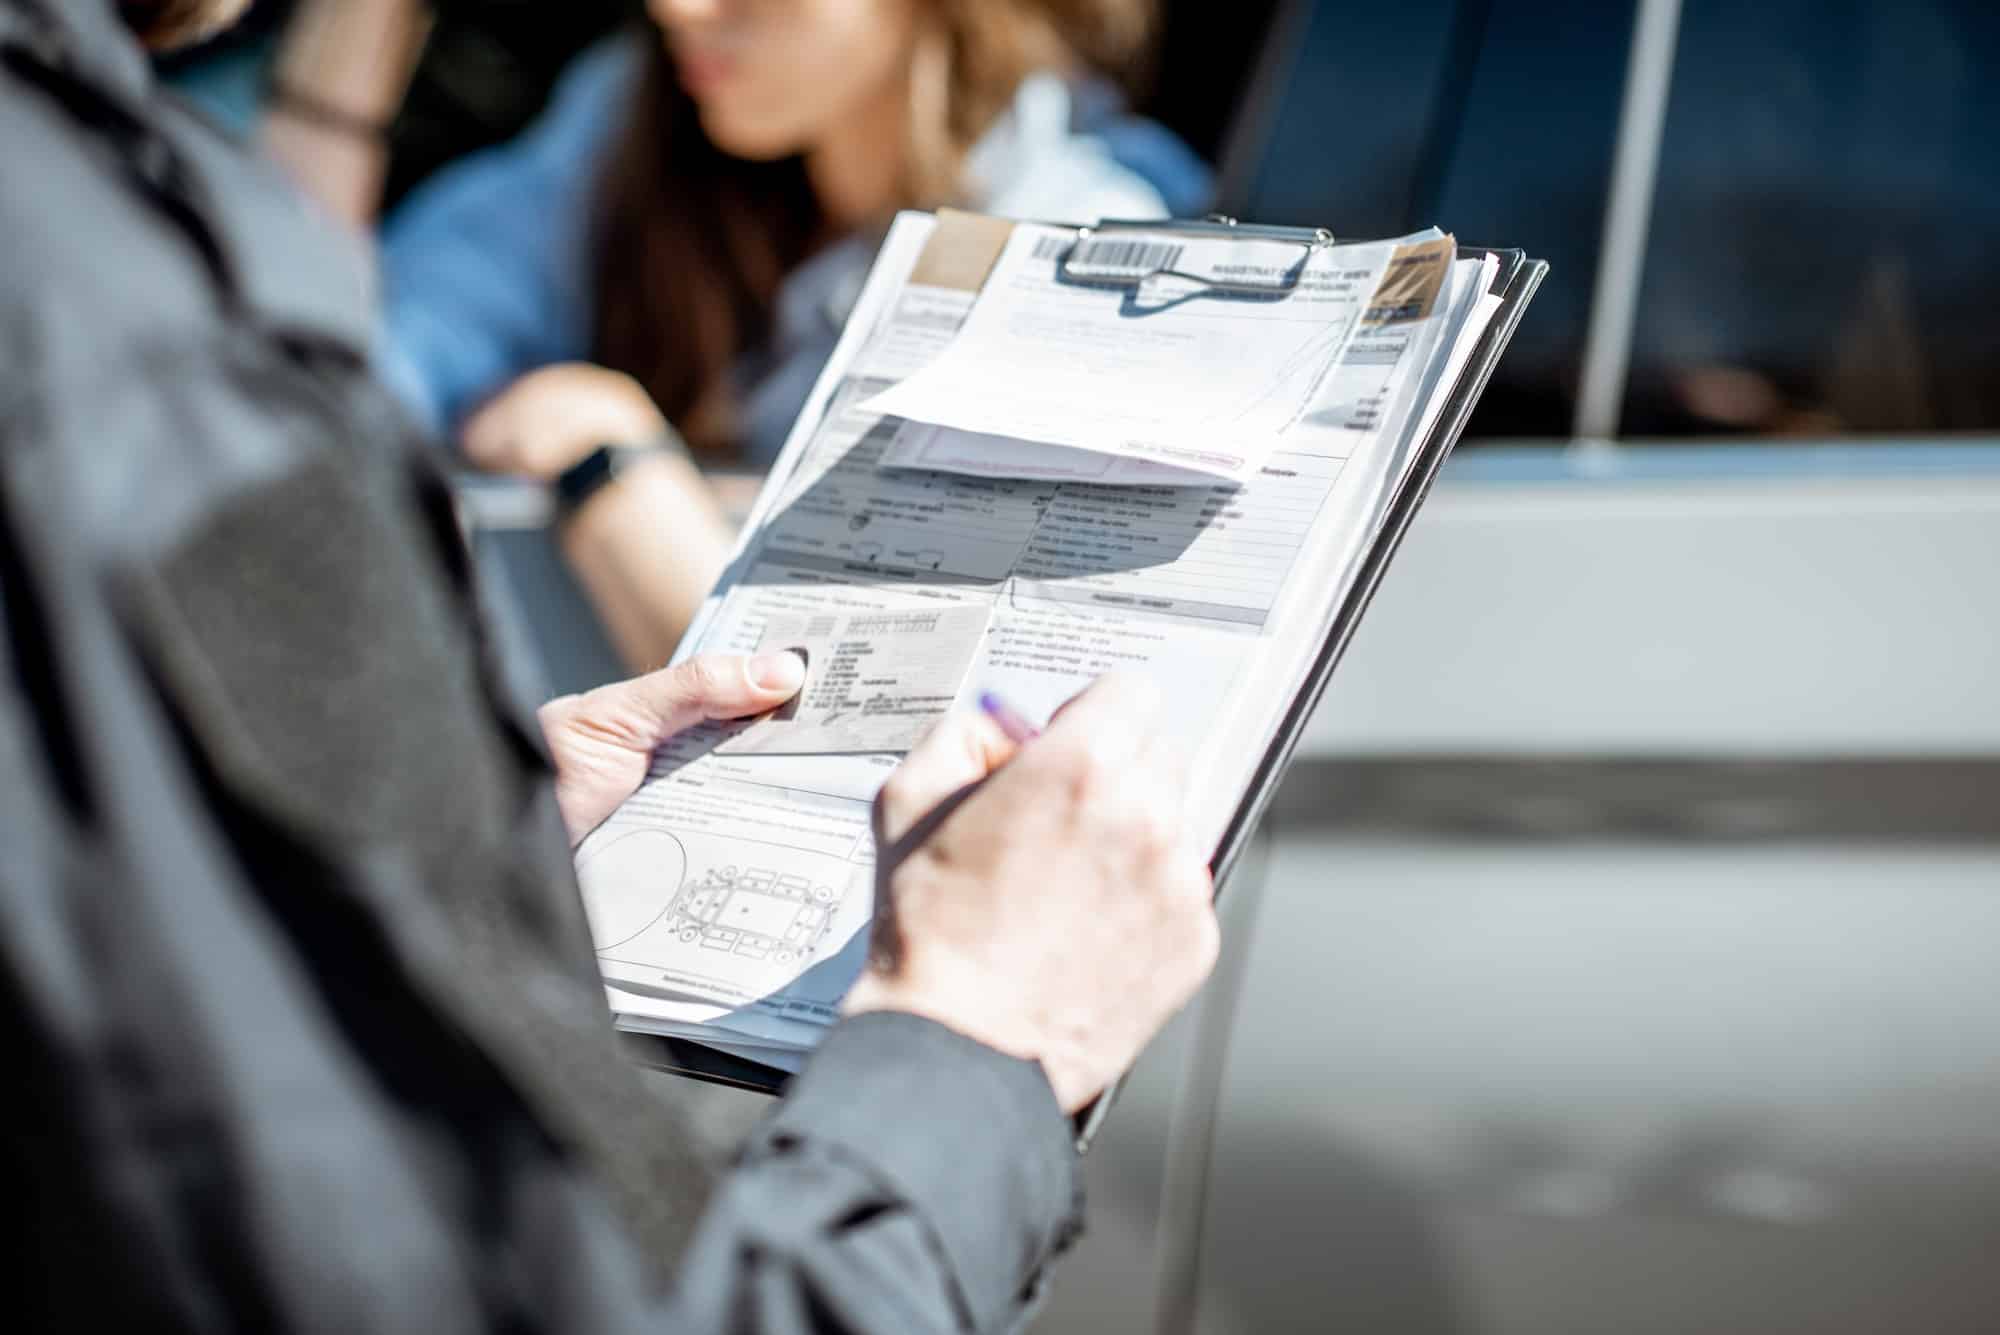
754, 911
640, 883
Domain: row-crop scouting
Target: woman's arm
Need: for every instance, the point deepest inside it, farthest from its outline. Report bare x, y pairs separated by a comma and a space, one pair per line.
340, 77
646, 546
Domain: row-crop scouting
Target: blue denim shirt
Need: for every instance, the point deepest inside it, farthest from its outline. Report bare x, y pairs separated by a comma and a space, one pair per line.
486, 269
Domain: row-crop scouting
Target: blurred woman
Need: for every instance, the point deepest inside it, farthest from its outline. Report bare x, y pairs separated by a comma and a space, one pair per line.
670, 252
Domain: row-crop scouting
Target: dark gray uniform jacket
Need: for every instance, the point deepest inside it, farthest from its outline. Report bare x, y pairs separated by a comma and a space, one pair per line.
301, 1028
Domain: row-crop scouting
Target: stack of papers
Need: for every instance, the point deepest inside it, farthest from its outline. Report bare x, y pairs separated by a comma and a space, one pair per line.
1016, 473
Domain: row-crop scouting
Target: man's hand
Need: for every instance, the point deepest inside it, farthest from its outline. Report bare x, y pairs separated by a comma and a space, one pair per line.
1057, 913
604, 739
549, 419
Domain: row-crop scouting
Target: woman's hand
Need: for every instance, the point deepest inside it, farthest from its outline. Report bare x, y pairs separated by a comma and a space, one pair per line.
549, 419
603, 740
646, 548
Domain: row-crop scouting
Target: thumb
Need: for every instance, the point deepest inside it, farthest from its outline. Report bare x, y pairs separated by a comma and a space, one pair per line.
709, 686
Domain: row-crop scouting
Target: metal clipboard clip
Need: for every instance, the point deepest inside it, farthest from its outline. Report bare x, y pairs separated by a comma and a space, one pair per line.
1127, 253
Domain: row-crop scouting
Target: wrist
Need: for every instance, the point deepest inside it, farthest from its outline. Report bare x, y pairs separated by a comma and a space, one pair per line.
944, 1121
309, 108
600, 468
967, 1012
355, 56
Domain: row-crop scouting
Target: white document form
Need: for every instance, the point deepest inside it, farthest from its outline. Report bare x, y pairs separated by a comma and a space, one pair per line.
1359, 392
729, 898
1183, 375
976, 454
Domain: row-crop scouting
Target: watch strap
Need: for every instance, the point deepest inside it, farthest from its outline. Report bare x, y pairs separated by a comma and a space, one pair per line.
598, 469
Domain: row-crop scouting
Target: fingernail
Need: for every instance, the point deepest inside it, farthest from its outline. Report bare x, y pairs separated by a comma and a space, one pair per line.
778, 672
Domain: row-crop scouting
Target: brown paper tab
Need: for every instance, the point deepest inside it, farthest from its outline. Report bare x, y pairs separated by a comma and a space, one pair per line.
960, 250
1411, 282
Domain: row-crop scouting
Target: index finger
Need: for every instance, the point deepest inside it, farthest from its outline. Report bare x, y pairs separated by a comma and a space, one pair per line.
961, 750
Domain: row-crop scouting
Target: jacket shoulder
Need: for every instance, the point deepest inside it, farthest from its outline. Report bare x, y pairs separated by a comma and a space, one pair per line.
75, 241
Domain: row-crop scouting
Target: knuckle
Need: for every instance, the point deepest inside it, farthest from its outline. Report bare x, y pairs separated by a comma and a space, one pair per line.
1157, 827
709, 676
1090, 768
554, 714
1146, 828
952, 735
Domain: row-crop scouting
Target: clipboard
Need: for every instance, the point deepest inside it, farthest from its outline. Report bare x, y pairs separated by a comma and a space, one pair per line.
1128, 236
1515, 282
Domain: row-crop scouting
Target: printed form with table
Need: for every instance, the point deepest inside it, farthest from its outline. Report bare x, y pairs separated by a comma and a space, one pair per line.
1039, 453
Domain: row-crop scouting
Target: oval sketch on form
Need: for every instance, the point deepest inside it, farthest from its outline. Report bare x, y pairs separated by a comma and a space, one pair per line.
629, 882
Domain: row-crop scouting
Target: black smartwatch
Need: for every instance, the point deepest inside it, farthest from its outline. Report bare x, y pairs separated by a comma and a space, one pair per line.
598, 469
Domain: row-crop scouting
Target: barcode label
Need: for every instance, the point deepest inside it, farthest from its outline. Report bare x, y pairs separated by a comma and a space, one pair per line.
1110, 255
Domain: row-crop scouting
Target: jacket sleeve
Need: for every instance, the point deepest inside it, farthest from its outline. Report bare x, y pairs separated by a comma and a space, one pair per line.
484, 268
912, 1181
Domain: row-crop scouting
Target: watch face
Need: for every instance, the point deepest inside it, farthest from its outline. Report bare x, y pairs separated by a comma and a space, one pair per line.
578, 482
588, 475
621, 457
